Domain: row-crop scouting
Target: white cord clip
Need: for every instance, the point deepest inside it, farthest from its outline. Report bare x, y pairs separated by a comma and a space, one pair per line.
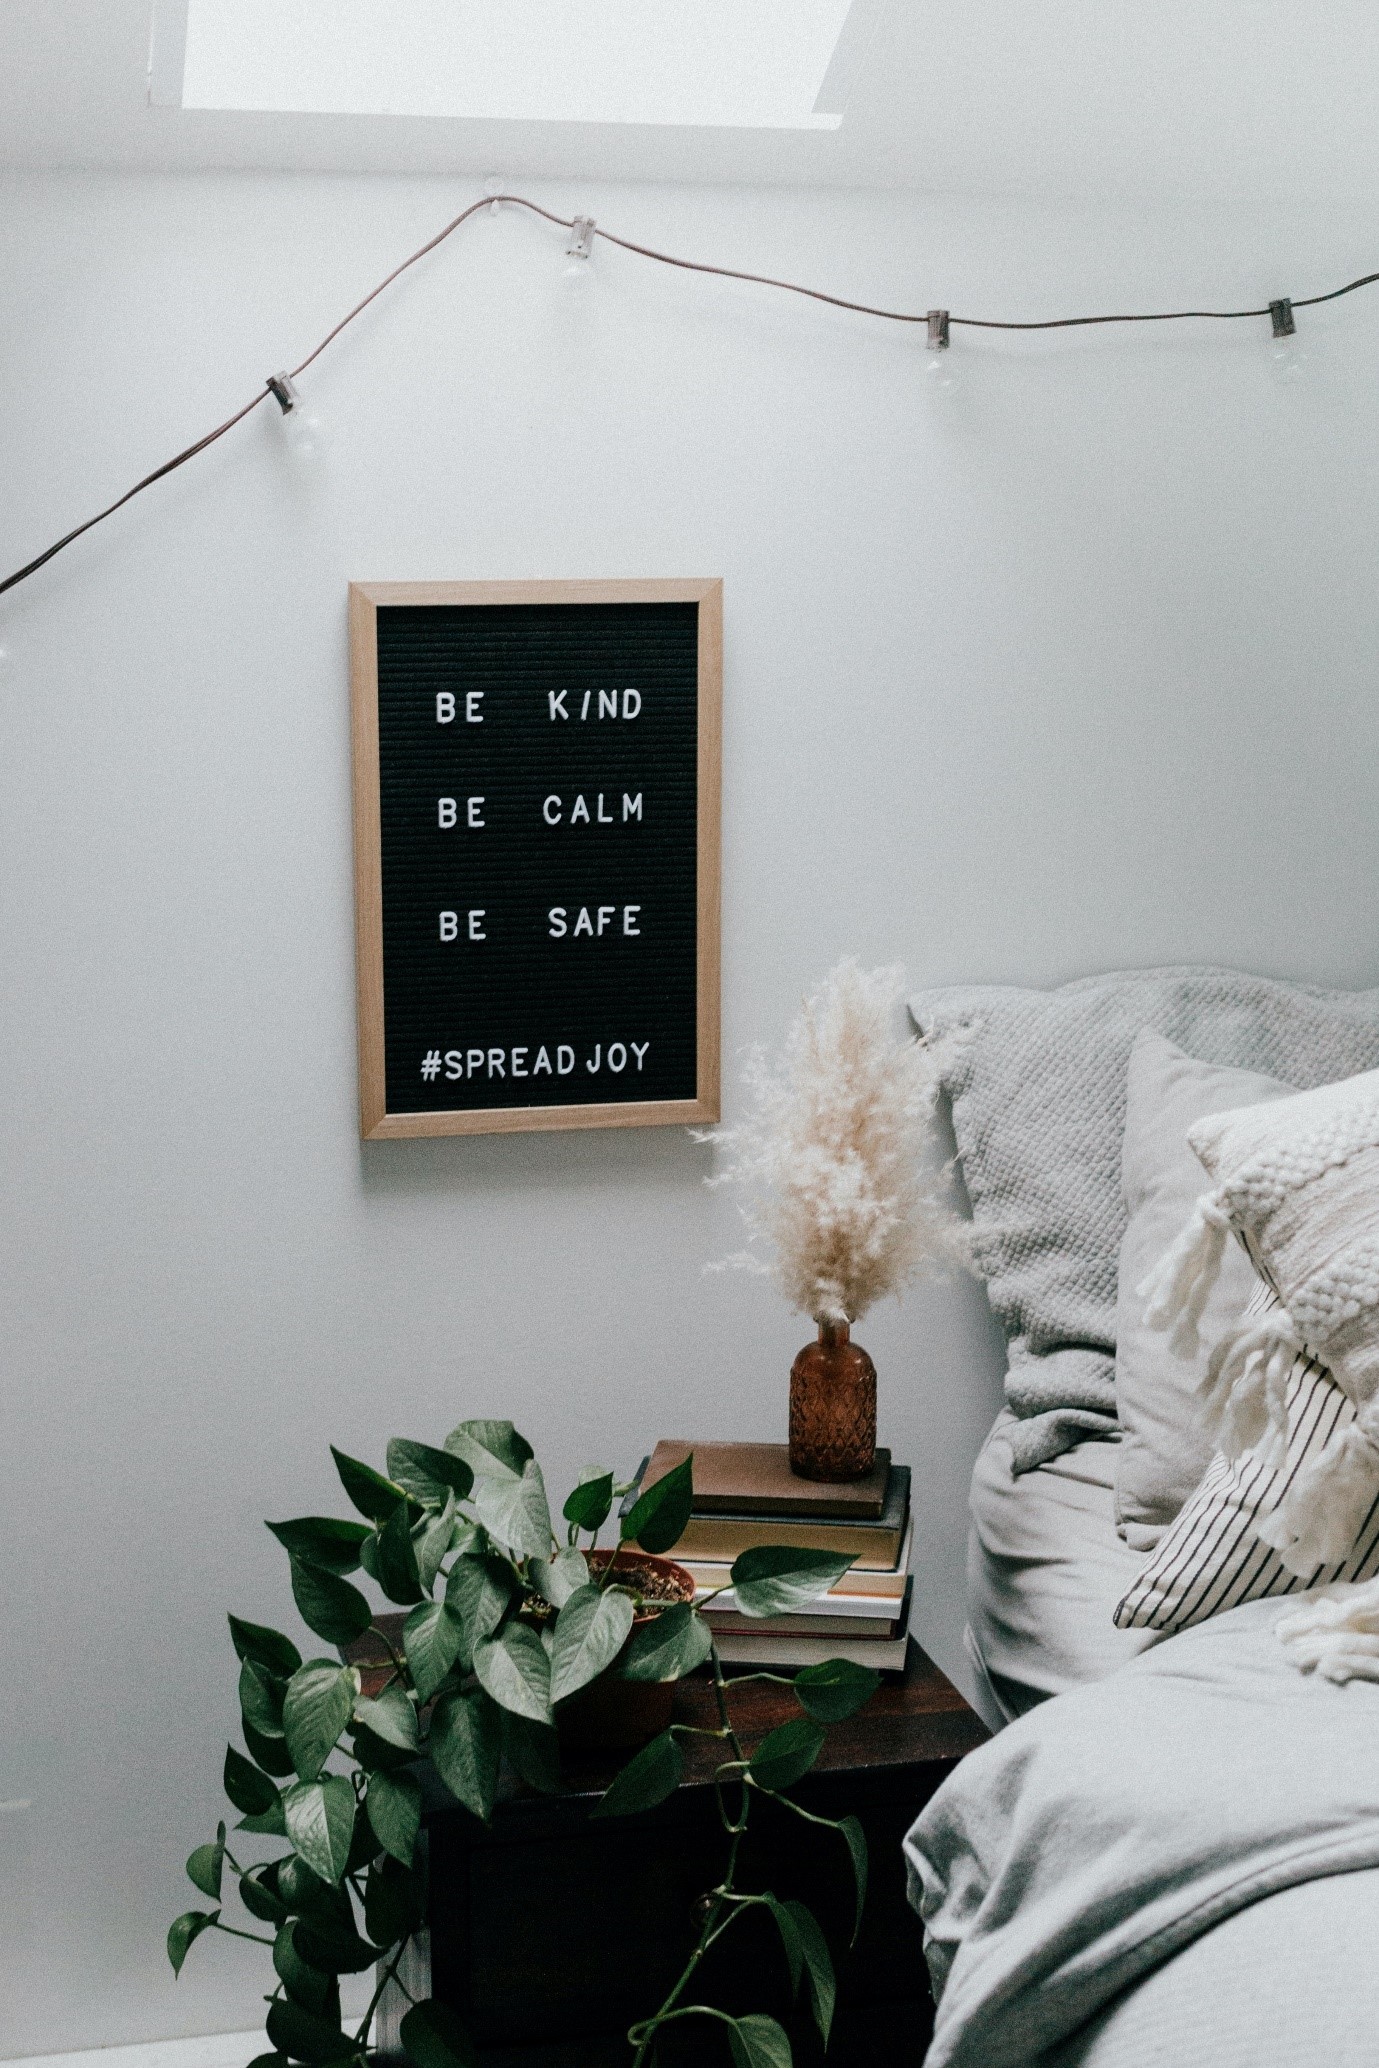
938, 330
581, 244
283, 389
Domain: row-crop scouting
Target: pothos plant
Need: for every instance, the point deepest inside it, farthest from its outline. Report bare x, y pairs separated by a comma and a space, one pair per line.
505, 1624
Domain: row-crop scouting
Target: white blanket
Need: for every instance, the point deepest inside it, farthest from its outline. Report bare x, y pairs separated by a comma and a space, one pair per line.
1108, 1829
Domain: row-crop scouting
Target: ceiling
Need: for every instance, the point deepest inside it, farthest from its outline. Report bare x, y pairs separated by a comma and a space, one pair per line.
1201, 100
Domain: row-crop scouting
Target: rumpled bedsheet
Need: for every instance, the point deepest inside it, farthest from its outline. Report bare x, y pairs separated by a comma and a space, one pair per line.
1100, 1834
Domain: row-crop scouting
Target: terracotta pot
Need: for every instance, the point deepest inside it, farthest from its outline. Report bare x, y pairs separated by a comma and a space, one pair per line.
832, 1407
617, 1713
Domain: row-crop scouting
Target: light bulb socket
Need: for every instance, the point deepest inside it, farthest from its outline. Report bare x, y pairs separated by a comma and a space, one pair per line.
283, 389
937, 321
581, 244
1281, 316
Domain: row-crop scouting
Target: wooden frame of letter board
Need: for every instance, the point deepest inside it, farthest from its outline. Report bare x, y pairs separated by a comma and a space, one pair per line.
375, 1121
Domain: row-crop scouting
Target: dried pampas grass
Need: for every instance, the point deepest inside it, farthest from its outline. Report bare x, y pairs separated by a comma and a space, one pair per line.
837, 1156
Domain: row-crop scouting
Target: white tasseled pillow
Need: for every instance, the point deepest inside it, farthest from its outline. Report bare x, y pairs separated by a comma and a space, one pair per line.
1213, 1557
1298, 1181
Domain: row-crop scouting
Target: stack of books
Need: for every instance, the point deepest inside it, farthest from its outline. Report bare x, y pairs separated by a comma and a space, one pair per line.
745, 1495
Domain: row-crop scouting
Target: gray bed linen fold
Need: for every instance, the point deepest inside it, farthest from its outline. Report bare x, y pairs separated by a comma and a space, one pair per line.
1108, 1829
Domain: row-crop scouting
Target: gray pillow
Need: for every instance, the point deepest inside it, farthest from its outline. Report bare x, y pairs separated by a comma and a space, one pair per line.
1038, 1096
1164, 1451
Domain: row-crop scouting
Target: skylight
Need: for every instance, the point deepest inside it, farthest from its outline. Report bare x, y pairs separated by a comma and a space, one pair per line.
756, 64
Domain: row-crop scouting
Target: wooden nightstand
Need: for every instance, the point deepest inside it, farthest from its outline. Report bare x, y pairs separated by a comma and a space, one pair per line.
550, 1934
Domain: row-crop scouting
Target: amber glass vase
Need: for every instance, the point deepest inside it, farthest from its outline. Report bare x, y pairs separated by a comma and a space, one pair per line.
832, 1407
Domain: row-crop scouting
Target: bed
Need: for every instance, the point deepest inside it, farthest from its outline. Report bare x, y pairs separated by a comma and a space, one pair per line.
1169, 1853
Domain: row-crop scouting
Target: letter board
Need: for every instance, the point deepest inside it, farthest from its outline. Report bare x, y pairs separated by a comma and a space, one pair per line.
536, 801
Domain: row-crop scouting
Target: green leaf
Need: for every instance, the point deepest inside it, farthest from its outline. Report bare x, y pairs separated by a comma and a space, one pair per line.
269, 1647
329, 1605
655, 1773
269, 2061
492, 1450
395, 1813
364, 1845
479, 1590
247, 1788
317, 1707
513, 1668
305, 1984
660, 1517
319, 1816
259, 1895
390, 1717
397, 1559
301, 1889
591, 1502
269, 1753
394, 1903
433, 1638
818, 1961
433, 2037
185, 1931
757, 2042
787, 1754
515, 1512
322, 1541
856, 1839
464, 1745
304, 2036
776, 1579
790, 1940
556, 1579
590, 1631
672, 1644
428, 1475
206, 1866
261, 1699
332, 1946
369, 1491
835, 1689
267, 1823
431, 1542
532, 1750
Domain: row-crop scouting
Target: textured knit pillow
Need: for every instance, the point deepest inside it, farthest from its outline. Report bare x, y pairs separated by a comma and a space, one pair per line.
1212, 1558
1299, 1181
1038, 1096
1165, 1446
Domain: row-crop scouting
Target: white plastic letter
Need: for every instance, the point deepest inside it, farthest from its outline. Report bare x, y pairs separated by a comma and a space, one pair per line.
639, 1049
474, 1061
474, 819
556, 915
605, 914
563, 1068
445, 812
608, 703
519, 1069
631, 806
450, 926
495, 1061
476, 932
454, 1064
605, 817
584, 924
543, 1062
546, 811
615, 1048
592, 1068
445, 707
627, 916
473, 699
557, 703
580, 811
631, 702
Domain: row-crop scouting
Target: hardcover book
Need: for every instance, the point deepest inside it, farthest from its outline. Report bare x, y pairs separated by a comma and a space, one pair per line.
755, 1479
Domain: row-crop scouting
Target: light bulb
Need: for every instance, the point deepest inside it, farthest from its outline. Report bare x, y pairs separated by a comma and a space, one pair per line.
940, 372
1289, 358
575, 272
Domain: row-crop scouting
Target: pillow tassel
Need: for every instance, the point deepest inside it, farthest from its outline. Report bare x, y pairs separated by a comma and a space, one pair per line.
1177, 1289
1321, 1515
1244, 1389
1336, 1632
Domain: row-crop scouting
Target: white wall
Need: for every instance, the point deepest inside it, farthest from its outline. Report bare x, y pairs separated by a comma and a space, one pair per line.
1023, 680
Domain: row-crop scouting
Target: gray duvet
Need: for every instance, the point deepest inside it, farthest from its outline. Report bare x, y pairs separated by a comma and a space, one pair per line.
1144, 1871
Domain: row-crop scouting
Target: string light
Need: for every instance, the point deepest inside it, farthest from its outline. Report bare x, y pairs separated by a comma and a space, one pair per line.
585, 230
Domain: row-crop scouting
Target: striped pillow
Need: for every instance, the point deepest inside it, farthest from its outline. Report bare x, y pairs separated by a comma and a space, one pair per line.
1210, 1559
